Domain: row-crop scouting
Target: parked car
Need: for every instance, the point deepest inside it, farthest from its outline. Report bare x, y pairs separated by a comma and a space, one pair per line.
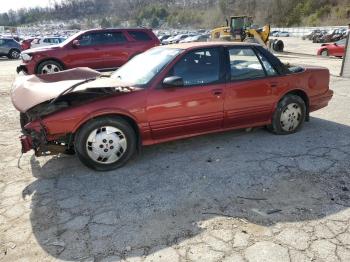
339, 34
45, 41
176, 39
273, 33
163, 37
310, 35
102, 49
334, 49
201, 38
283, 34
11, 36
26, 43
330, 36
10, 47
185, 90
195, 38
317, 36
167, 40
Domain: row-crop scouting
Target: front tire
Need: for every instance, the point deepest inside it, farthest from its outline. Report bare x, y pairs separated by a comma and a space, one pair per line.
23, 119
289, 115
49, 67
105, 143
325, 52
14, 54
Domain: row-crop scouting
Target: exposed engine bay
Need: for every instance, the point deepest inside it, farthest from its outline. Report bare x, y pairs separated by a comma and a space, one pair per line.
37, 96
67, 100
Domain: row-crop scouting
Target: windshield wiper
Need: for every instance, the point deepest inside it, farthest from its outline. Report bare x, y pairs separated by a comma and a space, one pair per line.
70, 89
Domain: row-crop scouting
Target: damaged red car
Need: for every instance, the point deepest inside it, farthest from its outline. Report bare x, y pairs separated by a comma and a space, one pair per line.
166, 93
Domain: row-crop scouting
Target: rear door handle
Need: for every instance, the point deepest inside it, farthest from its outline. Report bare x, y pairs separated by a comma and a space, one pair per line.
217, 92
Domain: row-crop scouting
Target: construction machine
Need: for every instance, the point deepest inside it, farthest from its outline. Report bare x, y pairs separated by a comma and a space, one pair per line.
241, 29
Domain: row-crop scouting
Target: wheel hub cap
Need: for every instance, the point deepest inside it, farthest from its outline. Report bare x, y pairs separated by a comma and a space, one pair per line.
106, 145
291, 117
15, 54
49, 69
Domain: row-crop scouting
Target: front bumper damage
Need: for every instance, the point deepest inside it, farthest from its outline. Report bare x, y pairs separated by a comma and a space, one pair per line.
22, 69
42, 146
26, 142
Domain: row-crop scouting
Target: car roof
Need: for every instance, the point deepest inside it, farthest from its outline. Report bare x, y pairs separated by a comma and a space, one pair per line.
115, 29
7, 38
185, 46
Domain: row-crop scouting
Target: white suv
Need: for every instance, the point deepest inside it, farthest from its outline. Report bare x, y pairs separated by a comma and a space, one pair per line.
44, 41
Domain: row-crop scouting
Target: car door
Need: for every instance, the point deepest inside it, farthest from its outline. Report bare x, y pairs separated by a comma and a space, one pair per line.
116, 49
89, 53
249, 96
197, 106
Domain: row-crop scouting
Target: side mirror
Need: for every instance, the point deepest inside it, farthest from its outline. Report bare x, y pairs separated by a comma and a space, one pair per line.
76, 43
335, 44
173, 81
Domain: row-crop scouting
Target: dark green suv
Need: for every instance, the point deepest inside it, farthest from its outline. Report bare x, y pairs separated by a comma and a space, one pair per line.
10, 48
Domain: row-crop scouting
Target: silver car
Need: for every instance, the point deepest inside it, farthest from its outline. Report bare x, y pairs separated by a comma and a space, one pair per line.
10, 48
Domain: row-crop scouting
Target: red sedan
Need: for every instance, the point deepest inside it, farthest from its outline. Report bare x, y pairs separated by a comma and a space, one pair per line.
333, 49
166, 93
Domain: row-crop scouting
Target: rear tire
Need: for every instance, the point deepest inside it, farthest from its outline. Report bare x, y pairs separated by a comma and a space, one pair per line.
49, 67
105, 143
289, 115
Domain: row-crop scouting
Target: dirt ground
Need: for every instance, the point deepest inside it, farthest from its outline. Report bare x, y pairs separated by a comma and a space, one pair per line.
234, 196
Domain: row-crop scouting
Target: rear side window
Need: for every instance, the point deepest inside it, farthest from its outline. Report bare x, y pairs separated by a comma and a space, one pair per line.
244, 64
140, 36
198, 67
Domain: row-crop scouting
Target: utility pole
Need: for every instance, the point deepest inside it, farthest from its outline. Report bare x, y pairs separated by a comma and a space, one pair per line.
345, 69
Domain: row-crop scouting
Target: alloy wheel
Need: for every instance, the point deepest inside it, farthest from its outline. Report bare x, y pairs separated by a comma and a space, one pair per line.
15, 54
50, 68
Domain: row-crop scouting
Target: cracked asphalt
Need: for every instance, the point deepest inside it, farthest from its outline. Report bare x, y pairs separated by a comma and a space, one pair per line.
234, 196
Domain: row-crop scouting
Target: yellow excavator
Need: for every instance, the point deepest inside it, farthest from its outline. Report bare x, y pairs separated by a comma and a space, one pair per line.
241, 29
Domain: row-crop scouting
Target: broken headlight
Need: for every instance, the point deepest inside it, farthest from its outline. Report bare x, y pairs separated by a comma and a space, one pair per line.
26, 57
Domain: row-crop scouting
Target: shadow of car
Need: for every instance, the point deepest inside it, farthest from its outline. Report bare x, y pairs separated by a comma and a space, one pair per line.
161, 199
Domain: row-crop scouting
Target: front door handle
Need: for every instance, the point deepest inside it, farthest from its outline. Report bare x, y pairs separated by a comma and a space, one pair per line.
273, 84
217, 92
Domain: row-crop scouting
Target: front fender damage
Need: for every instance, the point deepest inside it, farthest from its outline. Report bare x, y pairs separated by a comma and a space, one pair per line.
35, 137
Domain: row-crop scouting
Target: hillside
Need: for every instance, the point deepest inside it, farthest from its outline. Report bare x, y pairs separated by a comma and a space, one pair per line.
184, 13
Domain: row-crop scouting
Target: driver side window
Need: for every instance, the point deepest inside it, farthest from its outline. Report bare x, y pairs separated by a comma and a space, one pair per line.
199, 67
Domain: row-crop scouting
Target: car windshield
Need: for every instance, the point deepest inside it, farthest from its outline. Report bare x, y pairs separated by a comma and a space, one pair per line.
140, 70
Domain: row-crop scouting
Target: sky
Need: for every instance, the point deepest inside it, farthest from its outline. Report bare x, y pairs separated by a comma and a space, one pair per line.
6, 5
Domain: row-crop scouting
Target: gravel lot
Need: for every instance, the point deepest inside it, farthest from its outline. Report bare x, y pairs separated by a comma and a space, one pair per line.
235, 196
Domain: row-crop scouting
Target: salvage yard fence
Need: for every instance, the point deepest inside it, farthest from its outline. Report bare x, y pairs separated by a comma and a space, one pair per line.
300, 31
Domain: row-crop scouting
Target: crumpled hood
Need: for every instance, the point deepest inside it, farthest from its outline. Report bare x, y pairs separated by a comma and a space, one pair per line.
29, 91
